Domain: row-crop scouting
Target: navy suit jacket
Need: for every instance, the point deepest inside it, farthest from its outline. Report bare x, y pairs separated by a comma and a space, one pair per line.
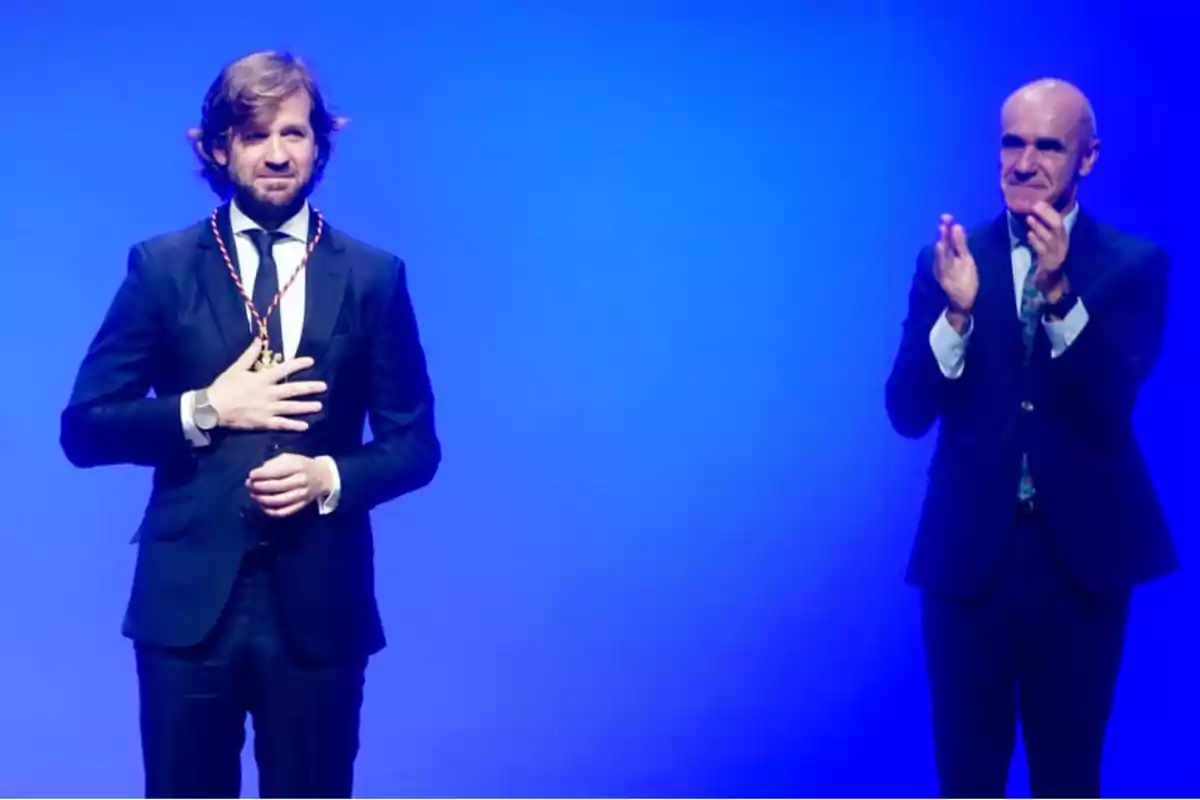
1072, 414
176, 322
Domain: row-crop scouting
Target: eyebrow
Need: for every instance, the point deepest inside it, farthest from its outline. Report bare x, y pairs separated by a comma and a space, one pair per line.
1041, 142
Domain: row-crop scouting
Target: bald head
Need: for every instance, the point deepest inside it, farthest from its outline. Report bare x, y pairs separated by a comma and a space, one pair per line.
1058, 97
1048, 144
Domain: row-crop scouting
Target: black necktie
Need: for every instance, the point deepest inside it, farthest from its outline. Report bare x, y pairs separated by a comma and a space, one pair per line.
266, 284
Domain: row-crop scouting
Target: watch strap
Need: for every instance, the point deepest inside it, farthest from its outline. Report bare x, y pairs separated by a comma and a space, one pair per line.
1061, 307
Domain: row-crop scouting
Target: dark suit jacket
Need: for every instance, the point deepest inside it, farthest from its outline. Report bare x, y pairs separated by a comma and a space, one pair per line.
177, 321
1071, 414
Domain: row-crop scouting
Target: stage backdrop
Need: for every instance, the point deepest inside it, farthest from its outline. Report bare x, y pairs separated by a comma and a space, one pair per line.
660, 255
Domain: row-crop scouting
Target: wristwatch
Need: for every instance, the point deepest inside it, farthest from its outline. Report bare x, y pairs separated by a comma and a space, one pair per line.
204, 415
1060, 308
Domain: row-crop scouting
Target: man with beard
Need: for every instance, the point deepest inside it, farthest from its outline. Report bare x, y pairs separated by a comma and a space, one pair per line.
1029, 339
239, 359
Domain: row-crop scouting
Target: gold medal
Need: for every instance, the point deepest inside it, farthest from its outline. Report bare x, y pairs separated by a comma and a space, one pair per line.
267, 359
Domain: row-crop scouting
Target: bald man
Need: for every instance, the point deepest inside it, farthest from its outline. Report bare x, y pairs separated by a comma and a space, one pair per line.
1028, 339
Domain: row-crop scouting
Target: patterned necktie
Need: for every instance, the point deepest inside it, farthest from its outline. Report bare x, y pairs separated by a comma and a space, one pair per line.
266, 283
1031, 313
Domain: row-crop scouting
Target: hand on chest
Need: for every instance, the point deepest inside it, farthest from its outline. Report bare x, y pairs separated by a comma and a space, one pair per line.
248, 282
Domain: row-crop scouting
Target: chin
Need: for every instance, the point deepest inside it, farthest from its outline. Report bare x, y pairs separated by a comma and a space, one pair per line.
1022, 205
271, 204
278, 199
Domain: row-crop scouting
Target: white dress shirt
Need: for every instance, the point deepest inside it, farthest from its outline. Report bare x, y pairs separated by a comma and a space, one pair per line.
288, 252
950, 347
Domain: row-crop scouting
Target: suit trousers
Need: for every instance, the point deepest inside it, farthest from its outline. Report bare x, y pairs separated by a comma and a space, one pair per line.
194, 703
1036, 648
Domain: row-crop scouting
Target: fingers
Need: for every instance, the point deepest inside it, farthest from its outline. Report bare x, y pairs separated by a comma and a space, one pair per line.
1040, 236
1045, 213
246, 360
941, 248
952, 239
285, 391
286, 425
288, 368
959, 237
268, 421
282, 499
286, 511
282, 412
291, 408
263, 487
280, 487
1039, 228
282, 466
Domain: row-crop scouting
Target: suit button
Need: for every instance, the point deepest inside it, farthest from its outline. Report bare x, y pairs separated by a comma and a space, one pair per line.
274, 447
1027, 405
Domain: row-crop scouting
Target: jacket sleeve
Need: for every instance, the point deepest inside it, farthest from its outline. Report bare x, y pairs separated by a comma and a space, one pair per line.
916, 388
1098, 377
110, 419
404, 452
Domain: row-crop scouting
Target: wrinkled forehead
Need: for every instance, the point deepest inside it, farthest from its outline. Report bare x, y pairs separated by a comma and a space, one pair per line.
1042, 116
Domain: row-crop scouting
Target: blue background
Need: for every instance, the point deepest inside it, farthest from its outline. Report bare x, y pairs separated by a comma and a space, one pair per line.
660, 253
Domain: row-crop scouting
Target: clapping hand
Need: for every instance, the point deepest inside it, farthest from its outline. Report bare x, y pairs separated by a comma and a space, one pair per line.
954, 268
1048, 238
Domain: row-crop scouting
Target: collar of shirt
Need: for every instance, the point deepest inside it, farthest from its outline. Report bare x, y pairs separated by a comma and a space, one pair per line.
1013, 223
295, 227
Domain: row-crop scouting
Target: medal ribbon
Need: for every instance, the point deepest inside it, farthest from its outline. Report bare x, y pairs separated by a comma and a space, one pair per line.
260, 320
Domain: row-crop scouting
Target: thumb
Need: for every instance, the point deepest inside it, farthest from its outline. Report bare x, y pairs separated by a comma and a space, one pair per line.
246, 359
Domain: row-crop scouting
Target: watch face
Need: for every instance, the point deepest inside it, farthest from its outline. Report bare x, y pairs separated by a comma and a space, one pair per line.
205, 418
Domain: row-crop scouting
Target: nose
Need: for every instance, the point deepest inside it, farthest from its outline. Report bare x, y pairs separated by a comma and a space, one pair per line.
1026, 165
276, 155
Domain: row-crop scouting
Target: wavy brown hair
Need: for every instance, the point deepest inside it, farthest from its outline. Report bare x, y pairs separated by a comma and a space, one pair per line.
250, 90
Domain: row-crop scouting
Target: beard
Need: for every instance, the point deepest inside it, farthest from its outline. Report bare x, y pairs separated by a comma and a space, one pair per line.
270, 209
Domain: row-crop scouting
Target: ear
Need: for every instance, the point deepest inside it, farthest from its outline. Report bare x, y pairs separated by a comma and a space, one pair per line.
220, 148
1090, 156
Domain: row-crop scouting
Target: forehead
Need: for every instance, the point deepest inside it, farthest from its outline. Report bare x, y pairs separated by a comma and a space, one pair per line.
294, 109
1040, 117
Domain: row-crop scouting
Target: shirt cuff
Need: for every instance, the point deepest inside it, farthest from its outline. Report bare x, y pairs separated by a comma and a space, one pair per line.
1063, 333
950, 347
328, 504
187, 411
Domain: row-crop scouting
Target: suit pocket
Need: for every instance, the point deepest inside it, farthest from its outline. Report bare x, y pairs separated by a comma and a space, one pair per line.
166, 521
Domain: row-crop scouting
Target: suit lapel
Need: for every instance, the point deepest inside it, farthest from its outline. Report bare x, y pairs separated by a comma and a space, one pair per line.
229, 310
994, 261
325, 284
